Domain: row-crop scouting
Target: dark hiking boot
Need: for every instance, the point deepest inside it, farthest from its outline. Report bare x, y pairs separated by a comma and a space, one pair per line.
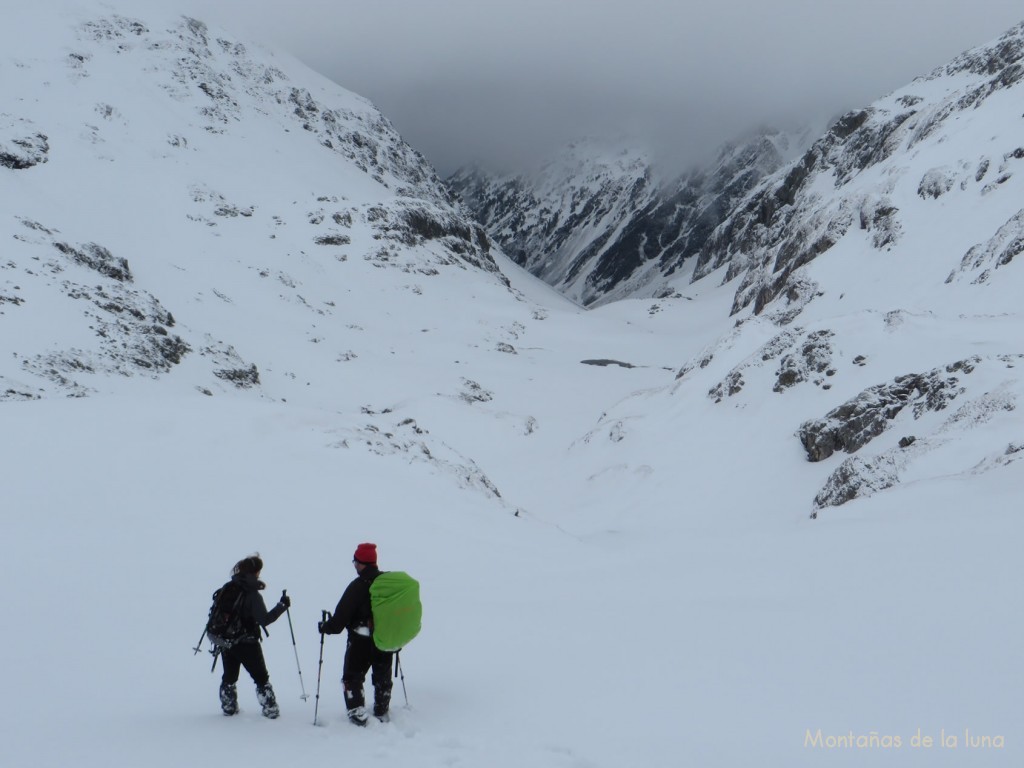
357, 716
228, 699
265, 696
381, 702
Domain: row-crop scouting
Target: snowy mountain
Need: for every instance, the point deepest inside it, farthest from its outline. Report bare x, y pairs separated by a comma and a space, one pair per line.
598, 223
916, 190
597, 227
895, 170
769, 517
145, 176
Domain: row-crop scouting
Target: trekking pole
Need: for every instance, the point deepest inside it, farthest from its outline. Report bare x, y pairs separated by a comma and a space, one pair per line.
323, 617
295, 648
198, 647
401, 676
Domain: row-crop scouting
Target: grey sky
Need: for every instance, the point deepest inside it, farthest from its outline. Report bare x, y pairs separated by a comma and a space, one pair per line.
509, 80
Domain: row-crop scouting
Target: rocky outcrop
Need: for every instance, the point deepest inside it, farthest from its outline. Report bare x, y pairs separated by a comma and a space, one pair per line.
811, 361
415, 223
855, 423
130, 330
856, 477
22, 146
864, 475
97, 258
803, 357
981, 260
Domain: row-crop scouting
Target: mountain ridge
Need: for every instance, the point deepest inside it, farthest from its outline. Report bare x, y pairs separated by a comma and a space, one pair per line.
216, 101
742, 207
594, 226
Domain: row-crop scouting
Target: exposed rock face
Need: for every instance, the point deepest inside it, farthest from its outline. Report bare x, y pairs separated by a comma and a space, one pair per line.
243, 378
859, 476
415, 223
855, 423
98, 258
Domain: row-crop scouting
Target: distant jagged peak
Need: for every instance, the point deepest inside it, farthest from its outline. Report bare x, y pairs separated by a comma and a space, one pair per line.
582, 160
788, 143
621, 154
603, 220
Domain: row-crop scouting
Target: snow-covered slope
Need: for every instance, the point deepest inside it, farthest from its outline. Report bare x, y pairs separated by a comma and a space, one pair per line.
892, 238
157, 173
238, 312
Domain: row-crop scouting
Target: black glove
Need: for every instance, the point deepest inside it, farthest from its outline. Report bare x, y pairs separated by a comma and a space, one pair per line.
286, 601
320, 626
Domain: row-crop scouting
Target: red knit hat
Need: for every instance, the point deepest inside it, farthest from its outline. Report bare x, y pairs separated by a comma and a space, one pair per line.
366, 553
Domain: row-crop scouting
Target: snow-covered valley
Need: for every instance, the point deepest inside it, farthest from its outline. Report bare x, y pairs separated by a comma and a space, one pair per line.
770, 517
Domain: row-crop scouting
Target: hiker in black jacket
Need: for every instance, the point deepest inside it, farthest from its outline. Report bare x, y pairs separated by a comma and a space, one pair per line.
246, 651
354, 614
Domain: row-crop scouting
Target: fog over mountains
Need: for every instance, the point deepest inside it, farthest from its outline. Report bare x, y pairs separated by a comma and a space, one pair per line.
600, 224
724, 481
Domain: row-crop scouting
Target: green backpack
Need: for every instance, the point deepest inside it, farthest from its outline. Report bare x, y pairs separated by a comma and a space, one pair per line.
397, 611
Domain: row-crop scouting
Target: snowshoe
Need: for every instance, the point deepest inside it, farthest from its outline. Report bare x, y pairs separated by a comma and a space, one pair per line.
357, 716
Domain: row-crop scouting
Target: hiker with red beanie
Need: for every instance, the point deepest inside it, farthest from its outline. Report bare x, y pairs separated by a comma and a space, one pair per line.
354, 614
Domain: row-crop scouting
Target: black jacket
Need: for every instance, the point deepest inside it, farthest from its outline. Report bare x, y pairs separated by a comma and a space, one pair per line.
254, 610
353, 609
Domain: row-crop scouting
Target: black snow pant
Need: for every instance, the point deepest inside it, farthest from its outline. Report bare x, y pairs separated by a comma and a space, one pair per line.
361, 655
248, 655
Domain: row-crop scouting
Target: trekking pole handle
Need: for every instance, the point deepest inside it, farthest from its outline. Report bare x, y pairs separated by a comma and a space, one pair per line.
288, 612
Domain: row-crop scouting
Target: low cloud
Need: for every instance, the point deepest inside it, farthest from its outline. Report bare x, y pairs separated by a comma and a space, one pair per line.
468, 80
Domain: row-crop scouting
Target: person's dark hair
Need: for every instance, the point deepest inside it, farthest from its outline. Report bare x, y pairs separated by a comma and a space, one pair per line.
252, 564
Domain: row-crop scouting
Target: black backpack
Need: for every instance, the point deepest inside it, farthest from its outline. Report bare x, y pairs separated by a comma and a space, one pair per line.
227, 624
